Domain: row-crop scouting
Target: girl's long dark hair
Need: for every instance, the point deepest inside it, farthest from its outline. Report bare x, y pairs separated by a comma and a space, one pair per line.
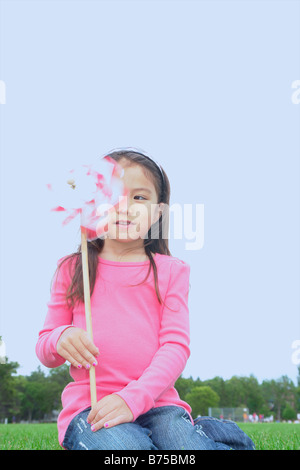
156, 243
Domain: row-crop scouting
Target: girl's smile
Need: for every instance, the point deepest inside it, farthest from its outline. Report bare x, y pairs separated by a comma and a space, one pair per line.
125, 223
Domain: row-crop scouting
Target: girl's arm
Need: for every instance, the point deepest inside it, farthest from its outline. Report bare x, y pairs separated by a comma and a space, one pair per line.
59, 340
59, 318
170, 359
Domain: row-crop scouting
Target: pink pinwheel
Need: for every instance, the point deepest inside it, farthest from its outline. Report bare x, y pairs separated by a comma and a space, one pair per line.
92, 191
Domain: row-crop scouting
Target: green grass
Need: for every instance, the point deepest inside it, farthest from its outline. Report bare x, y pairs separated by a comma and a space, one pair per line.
29, 437
274, 436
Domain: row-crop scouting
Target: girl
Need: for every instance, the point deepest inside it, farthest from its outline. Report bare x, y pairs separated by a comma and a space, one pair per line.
139, 302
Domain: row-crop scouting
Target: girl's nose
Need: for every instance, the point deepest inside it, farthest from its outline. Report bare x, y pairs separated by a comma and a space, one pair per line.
127, 207
122, 207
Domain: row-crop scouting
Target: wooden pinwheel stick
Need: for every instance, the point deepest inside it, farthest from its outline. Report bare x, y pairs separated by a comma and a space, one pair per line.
88, 312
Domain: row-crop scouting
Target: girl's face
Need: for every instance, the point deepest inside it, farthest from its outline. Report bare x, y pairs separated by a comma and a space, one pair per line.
133, 219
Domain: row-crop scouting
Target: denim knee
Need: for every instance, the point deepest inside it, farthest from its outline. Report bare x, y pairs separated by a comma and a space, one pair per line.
126, 436
172, 429
224, 431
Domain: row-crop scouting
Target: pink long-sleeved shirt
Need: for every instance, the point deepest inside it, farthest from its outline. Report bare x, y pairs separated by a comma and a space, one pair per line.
144, 346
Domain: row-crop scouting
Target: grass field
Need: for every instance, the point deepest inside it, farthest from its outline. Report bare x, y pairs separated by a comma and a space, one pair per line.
275, 436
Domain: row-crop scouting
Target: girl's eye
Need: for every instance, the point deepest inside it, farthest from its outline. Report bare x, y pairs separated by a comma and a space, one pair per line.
141, 197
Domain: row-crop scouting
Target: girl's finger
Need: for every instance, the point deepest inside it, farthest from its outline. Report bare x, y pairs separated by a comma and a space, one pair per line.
76, 358
104, 421
86, 354
98, 413
78, 344
70, 358
92, 414
89, 345
110, 423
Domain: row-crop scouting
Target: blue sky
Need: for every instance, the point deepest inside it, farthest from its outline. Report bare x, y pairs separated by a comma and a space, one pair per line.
206, 89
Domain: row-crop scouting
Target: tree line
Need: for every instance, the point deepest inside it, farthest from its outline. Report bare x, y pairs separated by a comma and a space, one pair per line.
279, 398
34, 397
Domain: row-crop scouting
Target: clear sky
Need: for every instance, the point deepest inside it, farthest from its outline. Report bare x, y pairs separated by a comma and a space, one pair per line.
206, 89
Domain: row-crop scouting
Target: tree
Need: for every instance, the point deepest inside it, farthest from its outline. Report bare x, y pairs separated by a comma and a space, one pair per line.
36, 396
185, 386
2, 351
280, 392
289, 413
200, 399
219, 385
7, 388
60, 375
57, 380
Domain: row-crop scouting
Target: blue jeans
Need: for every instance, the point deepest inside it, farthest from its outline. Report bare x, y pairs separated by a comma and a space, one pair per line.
162, 428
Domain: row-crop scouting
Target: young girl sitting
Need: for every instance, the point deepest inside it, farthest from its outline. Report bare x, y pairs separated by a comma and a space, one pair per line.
140, 316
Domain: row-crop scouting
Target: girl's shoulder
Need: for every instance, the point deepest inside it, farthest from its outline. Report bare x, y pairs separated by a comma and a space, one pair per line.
173, 272
170, 260
65, 266
67, 260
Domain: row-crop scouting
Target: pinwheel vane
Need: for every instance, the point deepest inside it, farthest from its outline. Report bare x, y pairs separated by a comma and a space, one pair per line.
77, 197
